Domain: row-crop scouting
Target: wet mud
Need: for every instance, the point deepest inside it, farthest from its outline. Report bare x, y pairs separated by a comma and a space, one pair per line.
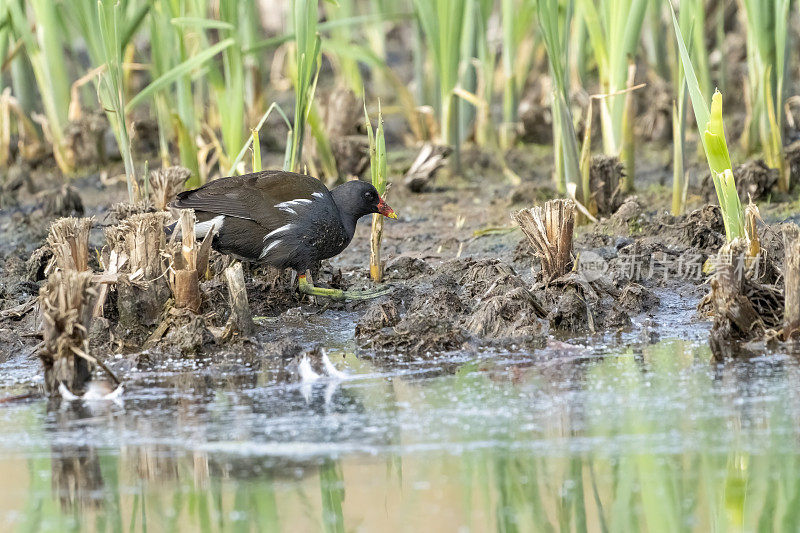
464, 279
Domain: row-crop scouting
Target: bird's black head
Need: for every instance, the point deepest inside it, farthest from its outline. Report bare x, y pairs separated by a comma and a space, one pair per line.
358, 198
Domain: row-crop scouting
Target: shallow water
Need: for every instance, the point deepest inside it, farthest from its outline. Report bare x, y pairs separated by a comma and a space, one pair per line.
597, 435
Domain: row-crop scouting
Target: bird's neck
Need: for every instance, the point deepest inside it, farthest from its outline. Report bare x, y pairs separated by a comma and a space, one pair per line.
349, 219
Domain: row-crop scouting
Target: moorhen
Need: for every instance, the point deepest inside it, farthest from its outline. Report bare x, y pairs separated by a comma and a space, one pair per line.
283, 219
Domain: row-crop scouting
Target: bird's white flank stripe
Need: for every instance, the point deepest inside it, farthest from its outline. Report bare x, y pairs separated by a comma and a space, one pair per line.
288, 205
318, 195
278, 231
214, 225
269, 247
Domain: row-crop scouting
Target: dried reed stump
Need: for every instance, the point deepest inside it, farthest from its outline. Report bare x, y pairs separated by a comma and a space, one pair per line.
342, 118
165, 184
735, 317
186, 289
63, 202
69, 241
66, 302
606, 181
142, 289
536, 118
376, 264
85, 139
182, 327
114, 259
791, 313
754, 179
429, 161
185, 281
793, 163
549, 231
241, 319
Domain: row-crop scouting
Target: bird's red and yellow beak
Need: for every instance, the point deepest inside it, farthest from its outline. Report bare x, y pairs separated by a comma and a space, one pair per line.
385, 210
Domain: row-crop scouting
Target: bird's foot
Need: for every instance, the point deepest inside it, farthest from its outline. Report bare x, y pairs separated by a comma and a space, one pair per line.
367, 294
340, 295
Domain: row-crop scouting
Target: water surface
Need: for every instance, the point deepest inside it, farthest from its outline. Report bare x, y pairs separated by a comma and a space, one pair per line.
593, 435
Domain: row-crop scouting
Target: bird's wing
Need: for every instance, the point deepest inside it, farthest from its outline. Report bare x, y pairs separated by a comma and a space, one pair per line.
264, 197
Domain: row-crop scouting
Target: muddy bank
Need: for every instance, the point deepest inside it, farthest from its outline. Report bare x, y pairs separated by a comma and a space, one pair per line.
465, 303
463, 277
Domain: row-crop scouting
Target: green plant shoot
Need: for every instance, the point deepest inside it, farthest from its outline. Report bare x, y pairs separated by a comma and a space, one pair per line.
712, 136
614, 28
110, 86
555, 29
304, 78
442, 22
767, 47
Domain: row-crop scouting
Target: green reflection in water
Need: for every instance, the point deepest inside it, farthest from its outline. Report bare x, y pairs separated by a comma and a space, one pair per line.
656, 439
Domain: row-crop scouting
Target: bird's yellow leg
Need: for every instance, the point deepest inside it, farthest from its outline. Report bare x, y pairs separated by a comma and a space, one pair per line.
337, 294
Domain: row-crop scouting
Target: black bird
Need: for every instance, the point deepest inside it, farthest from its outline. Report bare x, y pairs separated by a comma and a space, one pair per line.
284, 219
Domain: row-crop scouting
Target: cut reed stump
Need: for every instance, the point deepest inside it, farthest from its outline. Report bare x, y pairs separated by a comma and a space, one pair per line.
429, 161
791, 313
185, 280
341, 114
66, 303
69, 241
63, 202
142, 289
606, 181
549, 231
745, 304
376, 264
165, 183
735, 317
186, 289
181, 326
241, 319
114, 259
